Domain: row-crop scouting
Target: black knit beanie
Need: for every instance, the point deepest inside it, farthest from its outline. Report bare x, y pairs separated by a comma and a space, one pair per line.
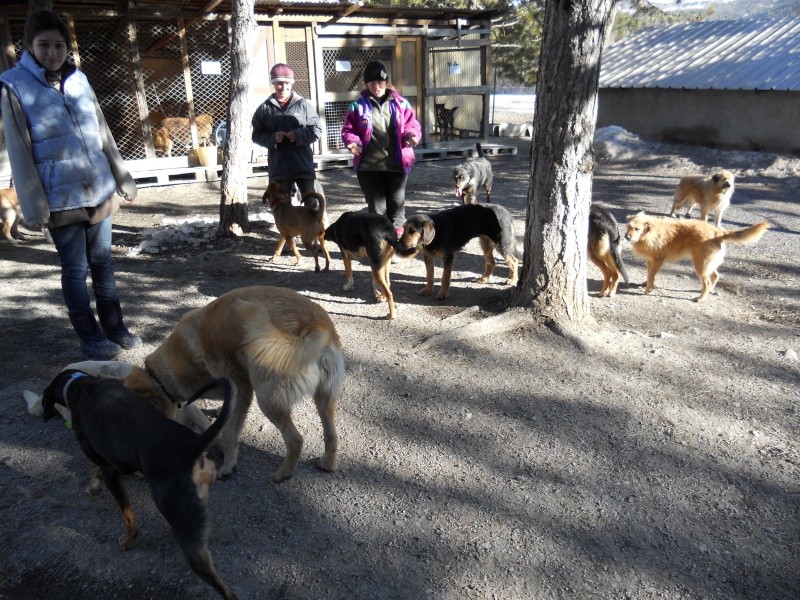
375, 71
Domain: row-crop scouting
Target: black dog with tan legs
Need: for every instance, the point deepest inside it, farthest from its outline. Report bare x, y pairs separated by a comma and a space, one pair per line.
121, 433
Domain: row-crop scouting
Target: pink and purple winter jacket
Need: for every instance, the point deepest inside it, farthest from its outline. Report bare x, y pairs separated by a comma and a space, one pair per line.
357, 128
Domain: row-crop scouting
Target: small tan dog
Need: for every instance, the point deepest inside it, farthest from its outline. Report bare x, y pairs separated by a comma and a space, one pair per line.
306, 222
660, 239
711, 194
9, 211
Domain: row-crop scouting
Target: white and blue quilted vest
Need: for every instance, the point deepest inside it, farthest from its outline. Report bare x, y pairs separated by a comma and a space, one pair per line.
65, 136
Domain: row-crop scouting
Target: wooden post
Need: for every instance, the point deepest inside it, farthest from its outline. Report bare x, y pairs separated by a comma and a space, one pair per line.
187, 77
141, 92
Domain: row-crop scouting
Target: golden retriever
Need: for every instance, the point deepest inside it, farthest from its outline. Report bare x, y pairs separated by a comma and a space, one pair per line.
660, 239
711, 194
268, 340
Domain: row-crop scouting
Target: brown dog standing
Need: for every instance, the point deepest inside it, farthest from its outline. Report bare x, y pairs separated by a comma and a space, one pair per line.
660, 239
291, 220
711, 194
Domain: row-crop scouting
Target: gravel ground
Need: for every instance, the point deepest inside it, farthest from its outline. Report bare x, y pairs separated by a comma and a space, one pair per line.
661, 463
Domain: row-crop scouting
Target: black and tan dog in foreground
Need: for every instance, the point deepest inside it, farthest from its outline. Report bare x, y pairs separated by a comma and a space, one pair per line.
603, 249
359, 234
305, 221
121, 433
441, 235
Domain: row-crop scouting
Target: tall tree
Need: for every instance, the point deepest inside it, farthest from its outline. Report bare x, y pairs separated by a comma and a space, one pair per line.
34, 5
233, 217
553, 280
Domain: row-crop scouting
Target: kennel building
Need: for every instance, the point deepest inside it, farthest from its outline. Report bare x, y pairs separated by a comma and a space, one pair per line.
158, 62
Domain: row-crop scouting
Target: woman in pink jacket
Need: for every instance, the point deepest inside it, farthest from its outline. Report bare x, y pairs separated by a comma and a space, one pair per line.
381, 130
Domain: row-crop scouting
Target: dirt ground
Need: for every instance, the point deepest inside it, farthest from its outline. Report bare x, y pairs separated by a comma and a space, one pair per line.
662, 462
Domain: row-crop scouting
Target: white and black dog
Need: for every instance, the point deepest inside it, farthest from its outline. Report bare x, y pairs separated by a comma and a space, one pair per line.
469, 176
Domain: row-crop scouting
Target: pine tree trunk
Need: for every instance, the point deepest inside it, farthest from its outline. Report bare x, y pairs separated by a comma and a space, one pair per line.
233, 217
34, 5
553, 280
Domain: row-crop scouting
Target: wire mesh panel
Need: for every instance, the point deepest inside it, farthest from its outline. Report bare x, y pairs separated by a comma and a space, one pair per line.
454, 117
456, 68
210, 69
335, 60
104, 49
297, 58
343, 69
334, 117
165, 87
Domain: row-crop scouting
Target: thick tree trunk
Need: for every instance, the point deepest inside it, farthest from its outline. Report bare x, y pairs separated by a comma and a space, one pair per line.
34, 5
233, 203
554, 268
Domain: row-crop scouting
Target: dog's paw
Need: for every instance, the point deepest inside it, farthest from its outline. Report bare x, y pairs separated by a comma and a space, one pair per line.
441, 295
348, 286
327, 464
280, 476
426, 291
225, 473
129, 539
481, 279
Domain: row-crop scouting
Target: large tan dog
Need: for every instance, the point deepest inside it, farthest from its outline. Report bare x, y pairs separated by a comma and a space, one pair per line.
660, 239
169, 130
711, 194
306, 222
9, 212
269, 340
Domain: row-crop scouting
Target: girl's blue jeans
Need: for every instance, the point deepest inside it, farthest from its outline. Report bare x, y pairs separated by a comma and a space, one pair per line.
82, 249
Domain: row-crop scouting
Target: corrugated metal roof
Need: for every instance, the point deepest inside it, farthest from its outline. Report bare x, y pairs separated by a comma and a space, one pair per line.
741, 54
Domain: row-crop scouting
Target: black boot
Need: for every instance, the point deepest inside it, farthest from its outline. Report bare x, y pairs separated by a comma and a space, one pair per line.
93, 342
110, 314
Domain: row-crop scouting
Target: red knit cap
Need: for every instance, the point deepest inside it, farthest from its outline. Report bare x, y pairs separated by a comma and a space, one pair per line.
281, 72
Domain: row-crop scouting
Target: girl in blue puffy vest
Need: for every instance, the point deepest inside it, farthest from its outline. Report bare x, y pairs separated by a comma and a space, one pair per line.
66, 170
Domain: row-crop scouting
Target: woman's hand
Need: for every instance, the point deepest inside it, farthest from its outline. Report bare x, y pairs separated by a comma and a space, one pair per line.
412, 141
355, 149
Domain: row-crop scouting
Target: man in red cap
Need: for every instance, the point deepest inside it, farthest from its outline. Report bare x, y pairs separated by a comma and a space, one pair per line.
288, 126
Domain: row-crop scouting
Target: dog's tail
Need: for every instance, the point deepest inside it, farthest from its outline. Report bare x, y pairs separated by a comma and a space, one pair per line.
281, 351
320, 210
617, 256
205, 439
479, 149
746, 236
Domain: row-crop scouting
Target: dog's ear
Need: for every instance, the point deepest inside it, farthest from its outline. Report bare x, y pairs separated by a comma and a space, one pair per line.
139, 382
49, 402
716, 177
428, 232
